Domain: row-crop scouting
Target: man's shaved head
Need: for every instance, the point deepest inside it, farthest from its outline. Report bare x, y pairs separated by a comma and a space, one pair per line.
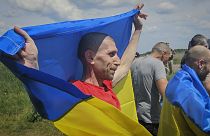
91, 41
162, 51
197, 52
161, 46
198, 58
98, 53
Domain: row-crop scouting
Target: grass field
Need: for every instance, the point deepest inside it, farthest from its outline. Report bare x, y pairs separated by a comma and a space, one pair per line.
17, 117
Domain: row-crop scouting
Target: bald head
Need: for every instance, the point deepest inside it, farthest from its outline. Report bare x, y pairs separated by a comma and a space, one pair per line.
198, 58
196, 53
91, 41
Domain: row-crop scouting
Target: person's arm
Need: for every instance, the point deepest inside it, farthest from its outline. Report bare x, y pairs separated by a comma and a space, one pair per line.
161, 85
160, 77
130, 51
27, 56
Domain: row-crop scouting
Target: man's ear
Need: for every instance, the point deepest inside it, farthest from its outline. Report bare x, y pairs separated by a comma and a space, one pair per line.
164, 52
162, 55
89, 55
201, 63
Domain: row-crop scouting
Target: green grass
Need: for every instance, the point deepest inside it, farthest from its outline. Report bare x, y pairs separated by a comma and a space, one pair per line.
17, 117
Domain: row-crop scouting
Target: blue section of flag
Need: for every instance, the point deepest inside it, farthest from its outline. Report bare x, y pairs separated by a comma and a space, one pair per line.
187, 91
52, 97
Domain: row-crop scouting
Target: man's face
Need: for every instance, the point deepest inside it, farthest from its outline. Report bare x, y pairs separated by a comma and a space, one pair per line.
165, 56
207, 67
204, 69
106, 60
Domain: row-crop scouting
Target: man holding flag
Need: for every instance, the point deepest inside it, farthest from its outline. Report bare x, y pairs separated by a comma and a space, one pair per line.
102, 66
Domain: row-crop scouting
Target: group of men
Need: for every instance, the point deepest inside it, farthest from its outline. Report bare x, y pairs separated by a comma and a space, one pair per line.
103, 69
186, 109
149, 83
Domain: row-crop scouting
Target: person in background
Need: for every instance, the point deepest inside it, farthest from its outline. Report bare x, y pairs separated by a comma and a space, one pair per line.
198, 39
201, 40
186, 106
149, 83
169, 65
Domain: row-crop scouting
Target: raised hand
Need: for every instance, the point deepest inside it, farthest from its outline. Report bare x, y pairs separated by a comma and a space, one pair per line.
137, 22
28, 55
141, 15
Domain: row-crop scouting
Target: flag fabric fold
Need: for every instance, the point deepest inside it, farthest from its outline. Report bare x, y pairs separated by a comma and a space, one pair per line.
124, 91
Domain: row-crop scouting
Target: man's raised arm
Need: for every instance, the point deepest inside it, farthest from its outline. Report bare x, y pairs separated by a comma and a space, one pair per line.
130, 51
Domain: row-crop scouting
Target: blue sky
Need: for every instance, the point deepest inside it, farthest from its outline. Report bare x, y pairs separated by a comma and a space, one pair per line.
173, 21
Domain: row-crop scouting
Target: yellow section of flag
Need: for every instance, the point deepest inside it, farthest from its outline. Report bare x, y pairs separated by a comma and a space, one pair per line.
96, 117
124, 91
174, 122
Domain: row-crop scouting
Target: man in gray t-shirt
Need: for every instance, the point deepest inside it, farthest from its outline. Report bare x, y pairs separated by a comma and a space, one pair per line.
149, 83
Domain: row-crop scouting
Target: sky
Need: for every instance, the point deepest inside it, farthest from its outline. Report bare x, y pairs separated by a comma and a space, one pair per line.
172, 21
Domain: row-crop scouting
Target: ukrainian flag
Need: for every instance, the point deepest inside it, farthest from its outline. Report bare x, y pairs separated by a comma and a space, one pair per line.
186, 106
71, 111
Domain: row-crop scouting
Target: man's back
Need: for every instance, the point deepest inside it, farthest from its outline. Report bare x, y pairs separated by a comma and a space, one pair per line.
145, 71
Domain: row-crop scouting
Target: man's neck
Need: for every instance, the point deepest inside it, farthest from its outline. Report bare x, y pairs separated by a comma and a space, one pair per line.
156, 55
90, 77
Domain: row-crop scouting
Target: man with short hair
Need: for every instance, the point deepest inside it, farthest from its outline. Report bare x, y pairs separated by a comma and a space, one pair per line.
186, 109
200, 40
149, 82
197, 39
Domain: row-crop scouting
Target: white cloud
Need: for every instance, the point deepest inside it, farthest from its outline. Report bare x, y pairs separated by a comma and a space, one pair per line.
151, 28
110, 2
3, 27
116, 2
204, 24
166, 7
63, 9
68, 9
2, 24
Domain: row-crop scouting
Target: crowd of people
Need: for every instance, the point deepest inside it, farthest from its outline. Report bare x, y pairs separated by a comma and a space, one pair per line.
162, 106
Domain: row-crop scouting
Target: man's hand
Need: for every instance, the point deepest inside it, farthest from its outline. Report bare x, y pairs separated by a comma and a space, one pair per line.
137, 22
27, 56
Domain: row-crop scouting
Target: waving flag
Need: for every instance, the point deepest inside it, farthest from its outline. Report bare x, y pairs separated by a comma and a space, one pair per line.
72, 112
